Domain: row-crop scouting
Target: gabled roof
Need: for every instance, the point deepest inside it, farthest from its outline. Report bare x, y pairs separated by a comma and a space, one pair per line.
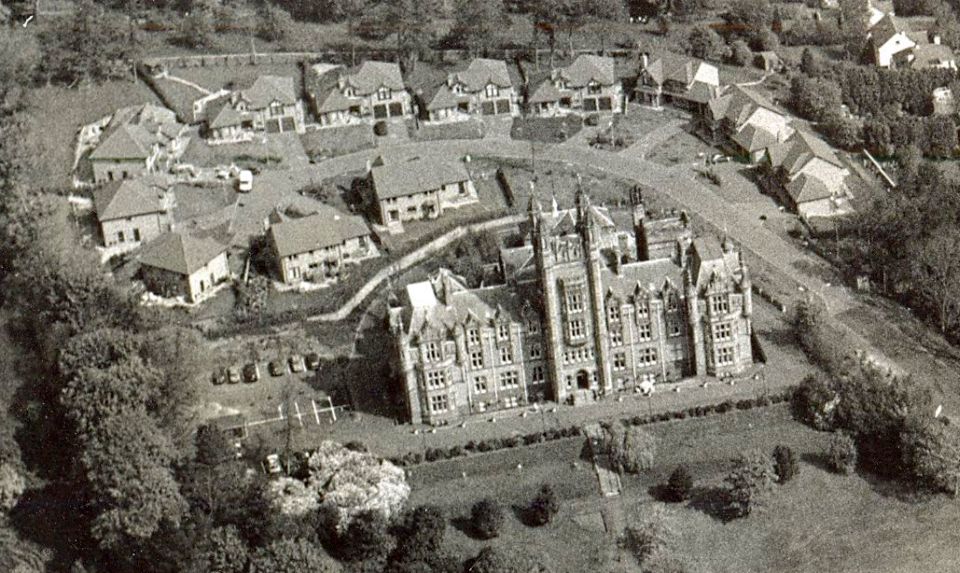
125, 142
268, 89
589, 68
326, 228
648, 276
480, 73
710, 259
128, 198
702, 92
336, 101
416, 176
223, 114
546, 92
180, 253
738, 104
806, 188
372, 75
754, 138
443, 98
888, 27
804, 146
681, 69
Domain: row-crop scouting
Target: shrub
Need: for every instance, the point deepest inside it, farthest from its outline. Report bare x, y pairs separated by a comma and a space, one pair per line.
511, 442
724, 407
744, 404
638, 420
483, 446
486, 516
680, 484
748, 482
544, 506
842, 453
785, 463
356, 446
471, 446
456, 452
630, 449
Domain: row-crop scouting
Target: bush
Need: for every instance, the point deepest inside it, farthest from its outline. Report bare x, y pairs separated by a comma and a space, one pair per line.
544, 506
842, 453
724, 407
785, 464
380, 128
680, 484
486, 516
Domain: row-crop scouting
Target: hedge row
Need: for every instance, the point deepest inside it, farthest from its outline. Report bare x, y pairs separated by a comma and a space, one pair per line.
473, 447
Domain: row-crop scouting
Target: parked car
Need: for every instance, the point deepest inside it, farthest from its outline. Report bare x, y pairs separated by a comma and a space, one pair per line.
245, 181
312, 361
296, 363
271, 464
277, 368
251, 373
233, 375
219, 377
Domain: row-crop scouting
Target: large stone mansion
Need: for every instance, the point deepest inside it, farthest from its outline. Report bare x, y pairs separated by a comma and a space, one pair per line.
582, 313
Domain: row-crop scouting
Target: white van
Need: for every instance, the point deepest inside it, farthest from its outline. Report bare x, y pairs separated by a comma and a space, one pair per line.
245, 181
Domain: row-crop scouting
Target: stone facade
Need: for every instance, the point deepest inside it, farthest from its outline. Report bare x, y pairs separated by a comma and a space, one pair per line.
588, 323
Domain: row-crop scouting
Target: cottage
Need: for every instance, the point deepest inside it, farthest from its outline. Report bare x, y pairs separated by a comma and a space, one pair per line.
808, 175
131, 213
891, 41
375, 91
587, 85
440, 103
178, 264
138, 140
688, 83
269, 105
419, 188
933, 55
319, 245
943, 101
486, 88
745, 123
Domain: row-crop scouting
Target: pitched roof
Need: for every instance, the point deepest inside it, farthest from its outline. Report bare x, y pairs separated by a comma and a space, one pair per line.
326, 228
443, 98
125, 142
546, 92
128, 198
589, 68
372, 75
481, 72
932, 56
268, 89
416, 176
806, 188
711, 260
804, 147
888, 27
181, 253
649, 276
754, 138
675, 68
224, 115
739, 103
336, 101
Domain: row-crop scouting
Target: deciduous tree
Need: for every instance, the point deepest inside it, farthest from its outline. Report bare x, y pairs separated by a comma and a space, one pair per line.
842, 453
749, 482
486, 516
630, 449
931, 449
292, 556
936, 274
680, 484
479, 23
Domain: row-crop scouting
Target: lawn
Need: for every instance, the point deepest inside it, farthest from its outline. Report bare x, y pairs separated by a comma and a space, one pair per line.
546, 129
469, 129
58, 112
333, 141
215, 77
178, 96
267, 151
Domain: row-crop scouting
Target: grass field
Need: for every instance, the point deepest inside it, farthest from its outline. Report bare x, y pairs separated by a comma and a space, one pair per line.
819, 522
58, 112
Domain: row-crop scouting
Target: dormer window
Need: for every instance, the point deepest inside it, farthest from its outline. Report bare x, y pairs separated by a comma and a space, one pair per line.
457, 89
673, 302
561, 84
348, 92
593, 87
276, 108
492, 90
384, 93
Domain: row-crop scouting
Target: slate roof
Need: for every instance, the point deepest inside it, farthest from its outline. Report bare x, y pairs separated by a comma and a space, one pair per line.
416, 176
481, 72
372, 75
642, 276
739, 103
676, 68
888, 27
931, 55
180, 253
336, 101
443, 98
711, 260
129, 198
326, 228
804, 146
125, 142
268, 89
754, 138
805, 188
546, 92
587, 68
134, 130
444, 301
224, 115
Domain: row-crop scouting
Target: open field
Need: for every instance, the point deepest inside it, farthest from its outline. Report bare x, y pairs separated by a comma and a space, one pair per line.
850, 524
57, 113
